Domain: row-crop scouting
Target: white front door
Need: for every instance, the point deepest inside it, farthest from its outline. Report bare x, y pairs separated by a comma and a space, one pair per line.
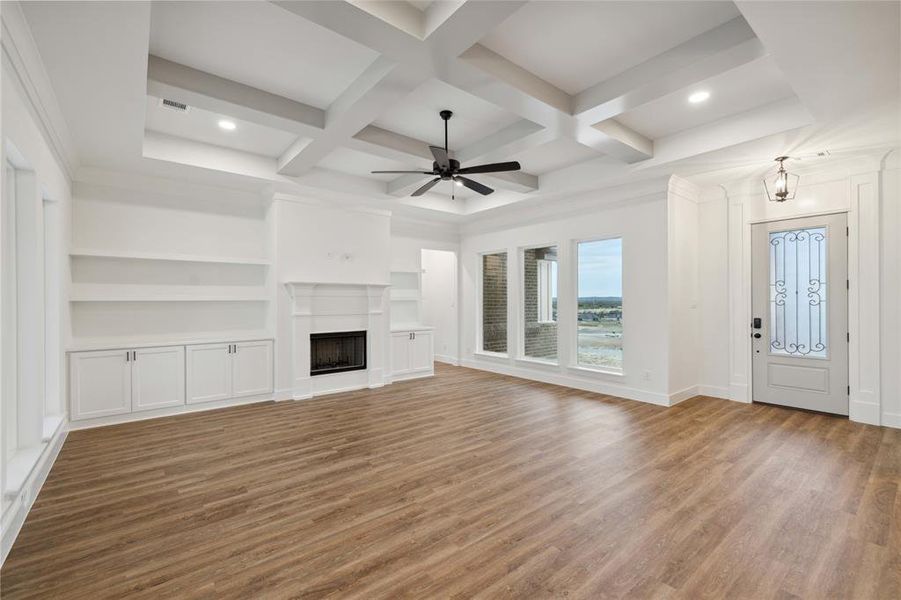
799, 328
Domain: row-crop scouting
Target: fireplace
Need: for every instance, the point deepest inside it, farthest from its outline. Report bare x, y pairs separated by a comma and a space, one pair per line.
337, 352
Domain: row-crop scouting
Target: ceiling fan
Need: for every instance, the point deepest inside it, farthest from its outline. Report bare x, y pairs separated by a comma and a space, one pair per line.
448, 169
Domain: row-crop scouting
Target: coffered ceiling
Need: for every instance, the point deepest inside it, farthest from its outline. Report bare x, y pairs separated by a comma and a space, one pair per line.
583, 94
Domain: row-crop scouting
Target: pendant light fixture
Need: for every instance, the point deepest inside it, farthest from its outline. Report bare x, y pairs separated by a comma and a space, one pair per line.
783, 186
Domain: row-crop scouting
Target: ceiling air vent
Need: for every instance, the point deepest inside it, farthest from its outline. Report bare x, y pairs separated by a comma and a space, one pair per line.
174, 105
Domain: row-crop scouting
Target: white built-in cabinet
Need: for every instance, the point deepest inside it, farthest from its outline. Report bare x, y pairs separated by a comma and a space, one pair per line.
236, 370
412, 353
113, 382
106, 383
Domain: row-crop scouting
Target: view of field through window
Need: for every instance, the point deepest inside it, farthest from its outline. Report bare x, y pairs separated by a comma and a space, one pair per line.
600, 308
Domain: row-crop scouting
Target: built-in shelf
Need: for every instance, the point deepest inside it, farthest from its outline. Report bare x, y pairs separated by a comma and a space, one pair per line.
20, 466
105, 292
404, 295
232, 260
175, 298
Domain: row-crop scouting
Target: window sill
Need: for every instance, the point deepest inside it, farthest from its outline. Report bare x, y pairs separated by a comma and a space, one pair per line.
537, 361
592, 371
486, 354
20, 466
50, 426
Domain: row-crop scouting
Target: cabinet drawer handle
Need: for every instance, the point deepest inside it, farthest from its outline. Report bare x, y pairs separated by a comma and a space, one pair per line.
127, 356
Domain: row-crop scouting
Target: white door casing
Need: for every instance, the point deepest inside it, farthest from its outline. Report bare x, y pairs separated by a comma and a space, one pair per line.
800, 294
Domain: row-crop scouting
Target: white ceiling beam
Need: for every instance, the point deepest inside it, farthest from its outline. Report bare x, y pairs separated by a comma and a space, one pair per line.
382, 84
361, 27
406, 184
392, 76
509, 141
388, 144
496, 65
166, 79
507, 93
514, 181
721, 49
619, 141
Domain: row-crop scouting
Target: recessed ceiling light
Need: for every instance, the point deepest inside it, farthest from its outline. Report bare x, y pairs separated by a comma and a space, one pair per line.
227, 125
699, 97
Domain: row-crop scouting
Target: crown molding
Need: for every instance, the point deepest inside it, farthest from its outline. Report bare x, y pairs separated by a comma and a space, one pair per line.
21, 53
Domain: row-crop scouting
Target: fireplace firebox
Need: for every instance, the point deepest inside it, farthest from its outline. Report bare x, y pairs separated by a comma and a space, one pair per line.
337, 352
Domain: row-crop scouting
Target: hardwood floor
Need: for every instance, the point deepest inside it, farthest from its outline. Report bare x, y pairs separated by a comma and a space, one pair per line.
469, 484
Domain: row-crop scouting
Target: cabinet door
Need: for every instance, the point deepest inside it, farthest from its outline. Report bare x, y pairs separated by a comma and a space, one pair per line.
208, 372
99, 383
252, 368
421, 352
158, 377
400, 352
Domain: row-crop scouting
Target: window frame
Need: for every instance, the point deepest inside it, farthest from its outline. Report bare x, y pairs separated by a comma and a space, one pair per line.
574, 342
521, 317
480, 305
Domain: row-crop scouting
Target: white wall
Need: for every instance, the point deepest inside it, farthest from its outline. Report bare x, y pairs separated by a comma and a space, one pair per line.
713, 295
891, 291
683, 288
642, 223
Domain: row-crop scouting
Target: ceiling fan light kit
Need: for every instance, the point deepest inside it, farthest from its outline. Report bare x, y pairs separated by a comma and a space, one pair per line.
445, 168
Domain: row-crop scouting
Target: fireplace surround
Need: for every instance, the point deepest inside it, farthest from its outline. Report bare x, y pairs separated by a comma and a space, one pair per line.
324, 308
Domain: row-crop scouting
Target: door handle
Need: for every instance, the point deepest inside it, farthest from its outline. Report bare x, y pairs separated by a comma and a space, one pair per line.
757, 323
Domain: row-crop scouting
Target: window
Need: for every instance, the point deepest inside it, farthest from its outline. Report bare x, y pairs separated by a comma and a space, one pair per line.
539, 270
798, 292
494, 302
600, 304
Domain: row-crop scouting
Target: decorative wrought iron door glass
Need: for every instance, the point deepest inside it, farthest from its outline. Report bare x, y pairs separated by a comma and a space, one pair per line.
798, 313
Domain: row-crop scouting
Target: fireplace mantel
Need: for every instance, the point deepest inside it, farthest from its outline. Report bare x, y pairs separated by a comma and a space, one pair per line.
322, 307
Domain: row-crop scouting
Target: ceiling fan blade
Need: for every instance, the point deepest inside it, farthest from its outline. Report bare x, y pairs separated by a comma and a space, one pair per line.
417, 172
491, 168
426, 187
475, 185
441, 157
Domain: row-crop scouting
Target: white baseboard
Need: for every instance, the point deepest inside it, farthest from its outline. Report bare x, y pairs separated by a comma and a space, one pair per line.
864, 412
167, 412
683, 395
17, 511
714, 391
892, 420
584, 383
451, 360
